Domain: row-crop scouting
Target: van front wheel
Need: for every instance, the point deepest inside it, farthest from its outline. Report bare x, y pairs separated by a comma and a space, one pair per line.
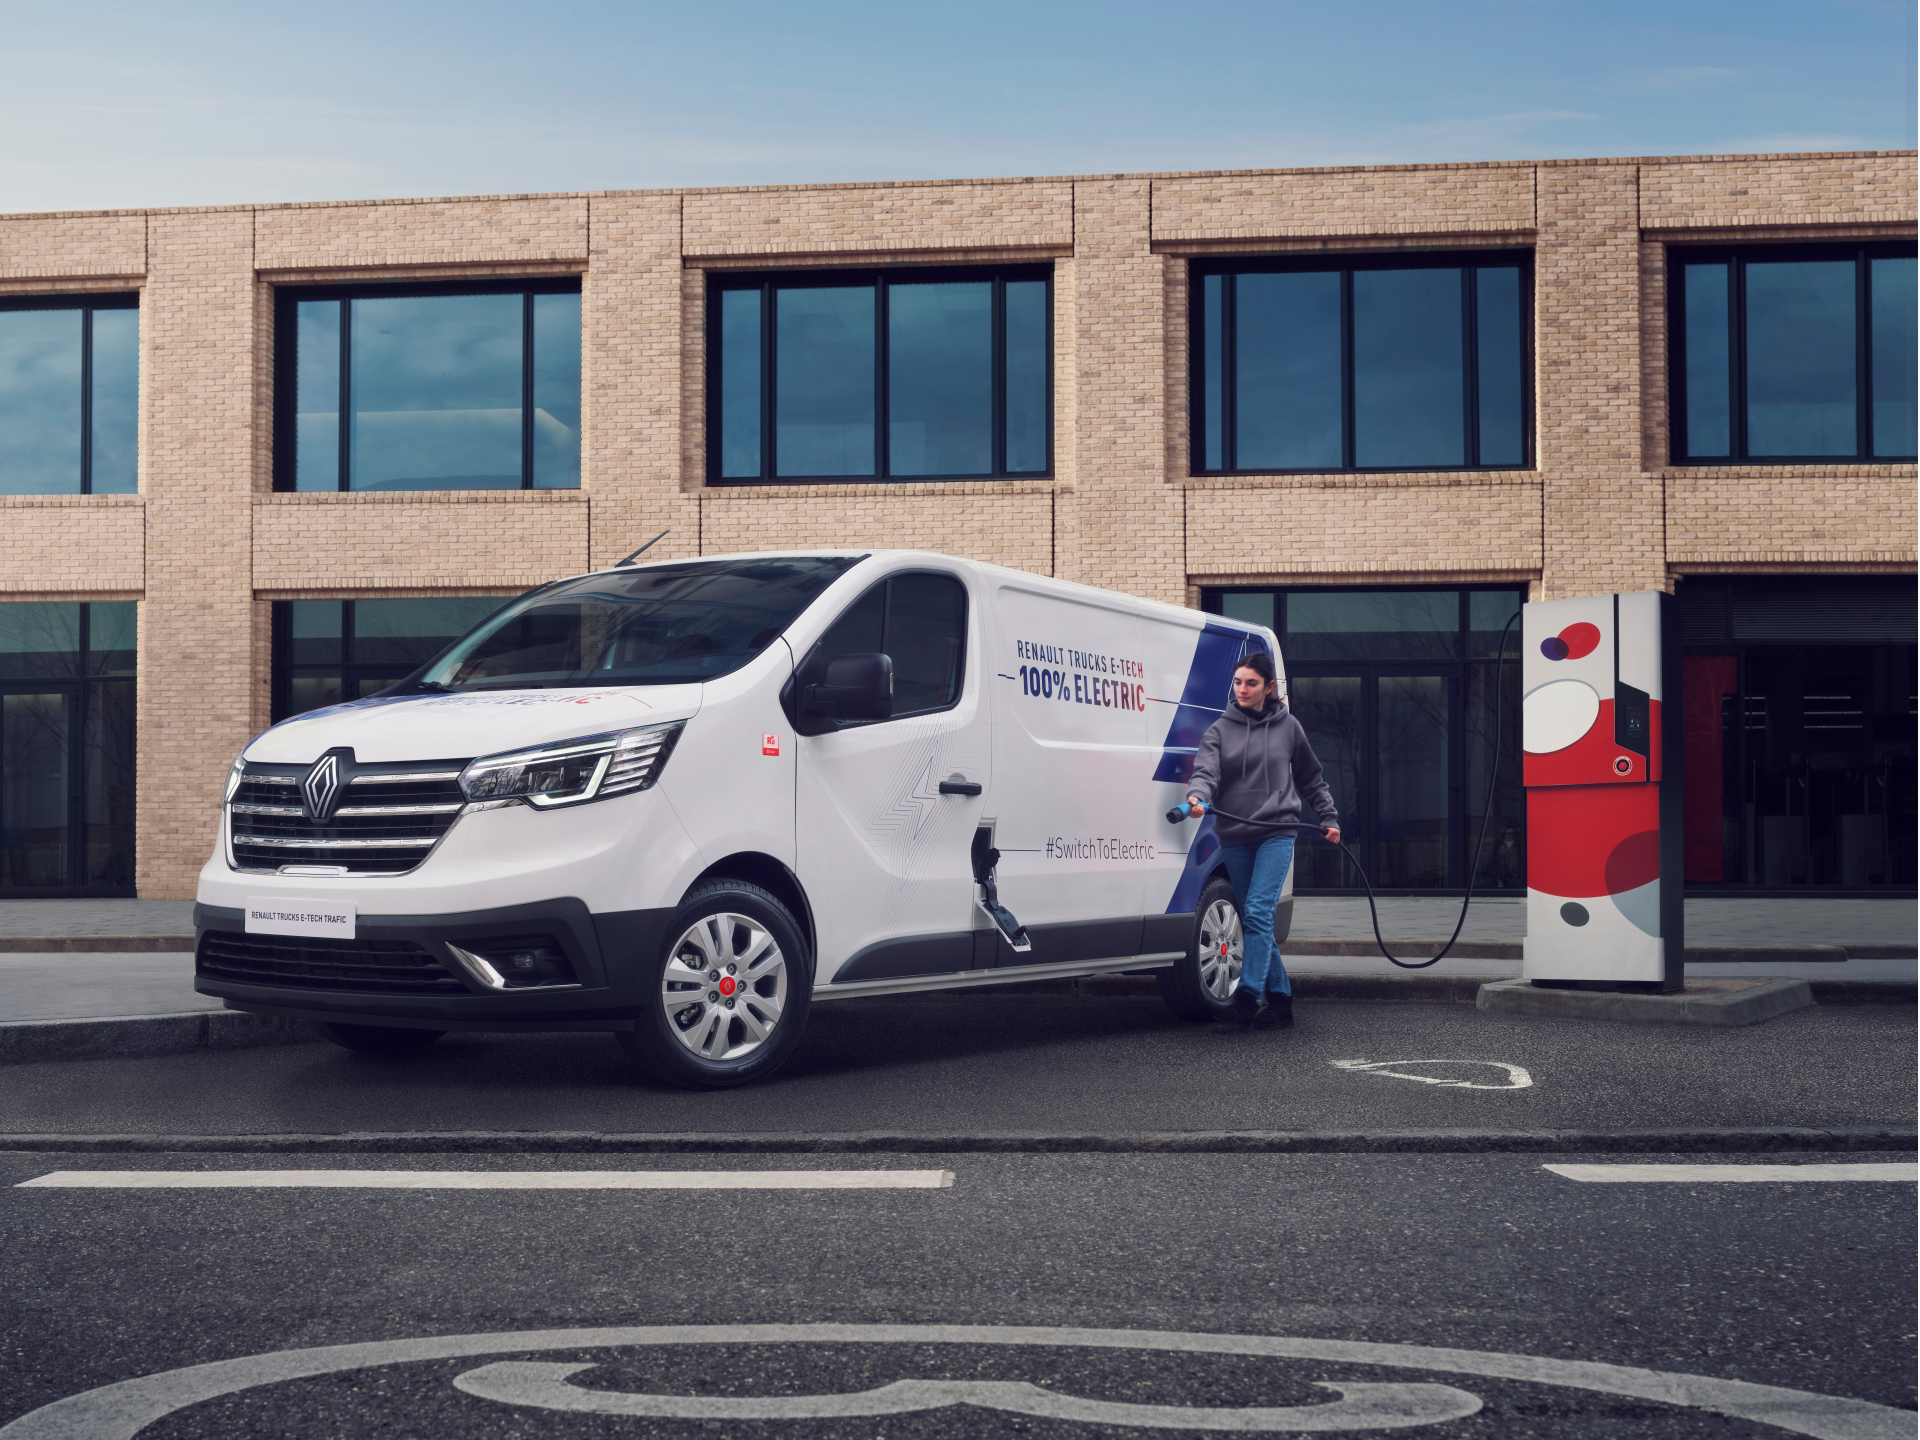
728, 994
1198, 985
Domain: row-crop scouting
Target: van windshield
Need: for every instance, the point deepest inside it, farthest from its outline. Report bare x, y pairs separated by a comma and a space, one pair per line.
657, 625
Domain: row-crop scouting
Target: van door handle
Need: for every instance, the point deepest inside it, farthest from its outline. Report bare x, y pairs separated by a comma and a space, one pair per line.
959, 785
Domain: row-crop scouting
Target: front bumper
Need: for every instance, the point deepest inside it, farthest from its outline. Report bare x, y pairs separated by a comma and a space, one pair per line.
609, 954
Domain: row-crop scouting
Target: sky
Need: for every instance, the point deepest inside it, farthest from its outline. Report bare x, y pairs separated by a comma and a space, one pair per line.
111, 104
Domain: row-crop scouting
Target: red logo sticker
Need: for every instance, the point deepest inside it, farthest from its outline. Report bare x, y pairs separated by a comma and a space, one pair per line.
727, 985
769, 744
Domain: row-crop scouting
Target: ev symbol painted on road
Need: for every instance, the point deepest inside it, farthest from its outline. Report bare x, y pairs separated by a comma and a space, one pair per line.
120, 1411
1360, 1407
1517, 1077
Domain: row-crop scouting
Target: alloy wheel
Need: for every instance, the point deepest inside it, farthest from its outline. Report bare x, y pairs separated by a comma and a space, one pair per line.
724, 986
1222, 948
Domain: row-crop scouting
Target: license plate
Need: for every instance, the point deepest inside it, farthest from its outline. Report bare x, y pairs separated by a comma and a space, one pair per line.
329, 919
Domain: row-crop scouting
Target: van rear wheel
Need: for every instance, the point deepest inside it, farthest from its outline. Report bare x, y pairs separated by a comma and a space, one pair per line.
1199, 984
728, 995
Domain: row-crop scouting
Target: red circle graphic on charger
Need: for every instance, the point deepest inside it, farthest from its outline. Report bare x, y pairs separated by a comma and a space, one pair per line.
1576, 642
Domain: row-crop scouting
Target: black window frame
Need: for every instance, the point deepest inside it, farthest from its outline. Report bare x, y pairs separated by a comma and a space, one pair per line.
1736, 258
767, 282
286, 362
1346, 266
282, 669
86, 303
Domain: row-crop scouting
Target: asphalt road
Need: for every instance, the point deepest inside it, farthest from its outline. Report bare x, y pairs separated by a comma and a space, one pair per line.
1804, 1286
1037, 1065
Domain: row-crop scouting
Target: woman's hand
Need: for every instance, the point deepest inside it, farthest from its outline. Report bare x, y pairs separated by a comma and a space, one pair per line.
1332, 832
1199, 807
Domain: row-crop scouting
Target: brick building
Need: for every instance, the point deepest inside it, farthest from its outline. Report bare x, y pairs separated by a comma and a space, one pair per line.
295, 447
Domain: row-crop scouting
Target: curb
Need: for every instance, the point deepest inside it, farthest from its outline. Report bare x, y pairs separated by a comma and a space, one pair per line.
872, 1142
1703, 1002
144, 1036
1351, 949
134, 1036
96, 944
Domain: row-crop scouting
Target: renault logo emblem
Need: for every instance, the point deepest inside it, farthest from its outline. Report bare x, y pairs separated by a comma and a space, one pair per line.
322, 787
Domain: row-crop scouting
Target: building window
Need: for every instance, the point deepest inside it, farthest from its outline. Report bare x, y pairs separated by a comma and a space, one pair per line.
66, 748
1799, 695
329, 651
1389, 364
1793, 353
888, 375
1400, 692
70, 395
428, 387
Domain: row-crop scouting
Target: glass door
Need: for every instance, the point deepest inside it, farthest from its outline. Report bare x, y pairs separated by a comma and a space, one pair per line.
1331, 708
1413, 809
37, 793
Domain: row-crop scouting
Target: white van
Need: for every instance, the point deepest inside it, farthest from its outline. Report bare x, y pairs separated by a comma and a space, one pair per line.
683, 801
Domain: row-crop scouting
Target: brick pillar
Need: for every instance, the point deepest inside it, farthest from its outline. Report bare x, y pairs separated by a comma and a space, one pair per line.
1123, 526
197, 632
1604, 519
635, 410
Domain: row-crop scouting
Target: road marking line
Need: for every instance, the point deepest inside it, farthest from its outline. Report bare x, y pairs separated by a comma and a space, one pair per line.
1721, 1174
495, 1179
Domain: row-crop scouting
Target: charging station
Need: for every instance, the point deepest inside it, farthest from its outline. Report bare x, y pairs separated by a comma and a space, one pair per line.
1601, 757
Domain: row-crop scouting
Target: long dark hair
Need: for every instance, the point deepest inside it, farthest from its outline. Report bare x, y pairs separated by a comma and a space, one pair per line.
1261, 663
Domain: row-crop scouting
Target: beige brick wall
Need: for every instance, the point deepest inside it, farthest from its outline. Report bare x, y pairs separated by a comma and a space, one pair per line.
1839, 515
1373, 200
1602, 509
437, 232
197, 691
53, 246
1004, 524
208, 545
850, 219
1239, 531
435, 540
72, 543
1756, 190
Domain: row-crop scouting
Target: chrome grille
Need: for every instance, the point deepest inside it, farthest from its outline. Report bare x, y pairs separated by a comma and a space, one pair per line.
389, 818
381, 967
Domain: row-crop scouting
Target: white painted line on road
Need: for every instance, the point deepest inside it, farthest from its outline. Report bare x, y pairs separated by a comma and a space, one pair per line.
1517, 1076
494, 1179
1722, 1174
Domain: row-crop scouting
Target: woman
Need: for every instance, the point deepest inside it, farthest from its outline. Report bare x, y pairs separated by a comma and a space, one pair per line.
1255, 761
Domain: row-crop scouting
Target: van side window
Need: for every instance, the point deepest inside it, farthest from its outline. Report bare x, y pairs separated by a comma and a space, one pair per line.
927, 638
921, 621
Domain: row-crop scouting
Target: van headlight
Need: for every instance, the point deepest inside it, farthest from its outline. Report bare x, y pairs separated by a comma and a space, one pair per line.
594, 767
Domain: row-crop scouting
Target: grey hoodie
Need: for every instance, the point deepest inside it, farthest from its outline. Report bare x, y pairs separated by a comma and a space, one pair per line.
1259, 766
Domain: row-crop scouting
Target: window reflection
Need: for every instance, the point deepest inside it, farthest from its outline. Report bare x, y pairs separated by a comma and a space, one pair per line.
435, 382
40, 402
1894, 344
1287, 354
940, 379
823, 410
947, 374
1408, 383
1708, 362
113, 457
1800, 359
446, 390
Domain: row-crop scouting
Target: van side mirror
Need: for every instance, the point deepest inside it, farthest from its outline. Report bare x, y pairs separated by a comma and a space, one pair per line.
854, 687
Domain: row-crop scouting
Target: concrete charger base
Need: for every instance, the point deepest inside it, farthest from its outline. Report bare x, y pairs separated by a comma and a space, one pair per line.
1746, 1000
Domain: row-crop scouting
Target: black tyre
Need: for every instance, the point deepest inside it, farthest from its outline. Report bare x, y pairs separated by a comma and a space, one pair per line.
1198, 985
377, 1039
728, 994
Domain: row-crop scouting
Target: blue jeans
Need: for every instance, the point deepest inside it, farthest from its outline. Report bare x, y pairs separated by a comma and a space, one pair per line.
1258, 871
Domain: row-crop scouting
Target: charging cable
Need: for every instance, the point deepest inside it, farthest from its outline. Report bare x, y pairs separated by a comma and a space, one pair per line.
1184, 810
